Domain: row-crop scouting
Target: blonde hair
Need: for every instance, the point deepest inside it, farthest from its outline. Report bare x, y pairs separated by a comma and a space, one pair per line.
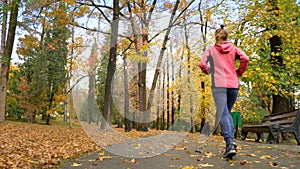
221, 35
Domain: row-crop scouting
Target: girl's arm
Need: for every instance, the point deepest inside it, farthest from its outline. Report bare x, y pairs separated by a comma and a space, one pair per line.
203, 62
244, 59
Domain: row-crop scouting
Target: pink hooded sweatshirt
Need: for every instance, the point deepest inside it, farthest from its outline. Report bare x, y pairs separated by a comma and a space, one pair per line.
219, 61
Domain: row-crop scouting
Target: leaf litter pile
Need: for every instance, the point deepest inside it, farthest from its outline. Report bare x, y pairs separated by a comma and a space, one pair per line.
33, 145
24, 145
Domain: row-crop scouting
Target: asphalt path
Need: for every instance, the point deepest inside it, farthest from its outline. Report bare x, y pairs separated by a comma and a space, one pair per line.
188, 153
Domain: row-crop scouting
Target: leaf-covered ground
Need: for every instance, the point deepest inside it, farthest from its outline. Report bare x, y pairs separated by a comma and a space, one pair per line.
25, 145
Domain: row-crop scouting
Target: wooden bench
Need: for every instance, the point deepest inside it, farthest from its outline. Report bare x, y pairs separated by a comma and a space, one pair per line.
285, 122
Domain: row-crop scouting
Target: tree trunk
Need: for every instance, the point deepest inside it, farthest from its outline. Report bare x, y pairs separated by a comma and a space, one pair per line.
163, 124
189, 76
92, 82
203, 119
158, 101
4, 29
126, 106
168, 93
172, 92
65, 109
111, 67
142, 96
91, 97
280, 103
141, 72
71, 110
203, 29
70, 73
51, 97
6, 57
134, 123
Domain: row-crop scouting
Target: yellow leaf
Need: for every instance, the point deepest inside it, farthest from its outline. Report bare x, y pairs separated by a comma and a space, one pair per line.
101, 153
66, 157
209, 154
266, 157
273, 54
251, 155
206, 165
76, 165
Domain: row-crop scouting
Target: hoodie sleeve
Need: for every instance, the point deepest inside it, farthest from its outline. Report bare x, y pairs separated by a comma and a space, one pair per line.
204, 61
244, 59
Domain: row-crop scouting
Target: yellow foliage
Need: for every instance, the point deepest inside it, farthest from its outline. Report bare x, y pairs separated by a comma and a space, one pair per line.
71, 2
138, 58
27, 43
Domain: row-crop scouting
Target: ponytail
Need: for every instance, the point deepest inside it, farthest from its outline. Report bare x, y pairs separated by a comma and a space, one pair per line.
221, 35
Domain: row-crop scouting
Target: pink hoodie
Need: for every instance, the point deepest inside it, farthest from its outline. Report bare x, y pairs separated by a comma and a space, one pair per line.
219, 61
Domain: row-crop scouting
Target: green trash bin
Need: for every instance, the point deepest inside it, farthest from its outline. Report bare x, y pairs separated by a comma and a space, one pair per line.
237, 121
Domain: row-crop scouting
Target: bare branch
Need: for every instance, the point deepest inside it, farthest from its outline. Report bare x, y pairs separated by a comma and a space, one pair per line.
71, 88
103, 14
182, 12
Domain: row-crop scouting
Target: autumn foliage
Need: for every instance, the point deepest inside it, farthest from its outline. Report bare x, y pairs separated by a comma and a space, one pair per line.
27, 146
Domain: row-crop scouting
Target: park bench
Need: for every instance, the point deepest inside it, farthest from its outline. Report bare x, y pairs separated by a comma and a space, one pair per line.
284, 122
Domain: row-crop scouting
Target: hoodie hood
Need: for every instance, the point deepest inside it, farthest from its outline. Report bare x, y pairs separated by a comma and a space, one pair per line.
224, 47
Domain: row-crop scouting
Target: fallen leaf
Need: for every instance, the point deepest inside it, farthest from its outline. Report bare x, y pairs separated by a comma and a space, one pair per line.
175, 158
103, 158
134, 161
209, 154
205, 165
102, 153
179, 147
200, 159
67, 157
193, 155
188, 167
244, 162
266, 157
250, 155
169, 155
76, 165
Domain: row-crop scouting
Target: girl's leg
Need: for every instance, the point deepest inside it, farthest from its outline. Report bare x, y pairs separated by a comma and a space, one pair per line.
223, 114
231, 98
